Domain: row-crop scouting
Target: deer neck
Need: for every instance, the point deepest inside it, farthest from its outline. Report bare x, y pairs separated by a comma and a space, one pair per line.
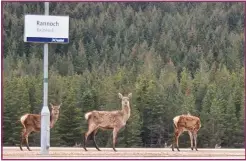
126, 112
53, 119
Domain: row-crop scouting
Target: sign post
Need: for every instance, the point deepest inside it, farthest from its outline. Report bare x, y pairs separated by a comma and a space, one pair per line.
46, 29
45, 113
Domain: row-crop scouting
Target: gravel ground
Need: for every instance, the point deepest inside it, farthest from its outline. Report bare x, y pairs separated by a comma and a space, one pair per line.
123, 153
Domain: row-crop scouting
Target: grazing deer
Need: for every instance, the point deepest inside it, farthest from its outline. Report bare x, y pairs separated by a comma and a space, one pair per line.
114, 120
186, 123
32, 123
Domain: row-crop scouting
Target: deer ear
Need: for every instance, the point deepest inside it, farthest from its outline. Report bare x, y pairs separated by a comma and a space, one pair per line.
60, 105
130, 95
120, 95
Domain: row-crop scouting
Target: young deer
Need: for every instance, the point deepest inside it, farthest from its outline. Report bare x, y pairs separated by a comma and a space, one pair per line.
114, 120
32, 123
186, 123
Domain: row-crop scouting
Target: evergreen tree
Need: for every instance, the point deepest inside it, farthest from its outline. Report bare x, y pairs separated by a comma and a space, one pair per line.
69, 121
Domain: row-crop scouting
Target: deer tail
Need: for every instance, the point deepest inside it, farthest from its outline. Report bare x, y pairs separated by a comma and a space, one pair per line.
22, 119
175, 121
87, 115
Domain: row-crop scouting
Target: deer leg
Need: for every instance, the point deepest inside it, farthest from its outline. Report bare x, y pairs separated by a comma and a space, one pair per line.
115, 132
91, 128
22, 138
85, 140
26, 137
177, 141
195, 139
21, 141
174, 138
94, 139
191, 140
177, 133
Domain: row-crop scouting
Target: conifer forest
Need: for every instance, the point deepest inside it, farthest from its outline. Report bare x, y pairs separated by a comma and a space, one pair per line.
175, 57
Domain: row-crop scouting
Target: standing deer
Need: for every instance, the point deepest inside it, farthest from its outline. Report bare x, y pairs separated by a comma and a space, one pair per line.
32, 123
186, 123
114, 120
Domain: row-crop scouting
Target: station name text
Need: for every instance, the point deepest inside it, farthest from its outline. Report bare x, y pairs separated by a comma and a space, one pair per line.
39, 23
45, 26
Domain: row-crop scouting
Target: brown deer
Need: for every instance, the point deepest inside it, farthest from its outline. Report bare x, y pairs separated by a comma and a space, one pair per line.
189, 123
32, 123
114, 120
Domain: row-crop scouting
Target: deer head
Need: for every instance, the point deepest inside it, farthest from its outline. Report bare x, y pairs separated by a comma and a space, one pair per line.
124, 99
55, 110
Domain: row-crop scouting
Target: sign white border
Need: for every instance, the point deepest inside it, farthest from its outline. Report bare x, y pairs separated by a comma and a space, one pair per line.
46, 29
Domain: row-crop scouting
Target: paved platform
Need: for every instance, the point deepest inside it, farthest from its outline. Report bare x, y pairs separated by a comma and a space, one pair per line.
122, 153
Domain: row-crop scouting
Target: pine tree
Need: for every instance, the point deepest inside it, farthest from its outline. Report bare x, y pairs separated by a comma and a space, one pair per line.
16, 103
133, 128
230, 123
70, 118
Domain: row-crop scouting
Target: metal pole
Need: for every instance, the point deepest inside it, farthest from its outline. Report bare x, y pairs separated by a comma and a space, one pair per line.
45, 113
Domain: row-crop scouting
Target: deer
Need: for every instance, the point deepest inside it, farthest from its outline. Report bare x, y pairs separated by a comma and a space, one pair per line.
186, 122
32, 123
112, 120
